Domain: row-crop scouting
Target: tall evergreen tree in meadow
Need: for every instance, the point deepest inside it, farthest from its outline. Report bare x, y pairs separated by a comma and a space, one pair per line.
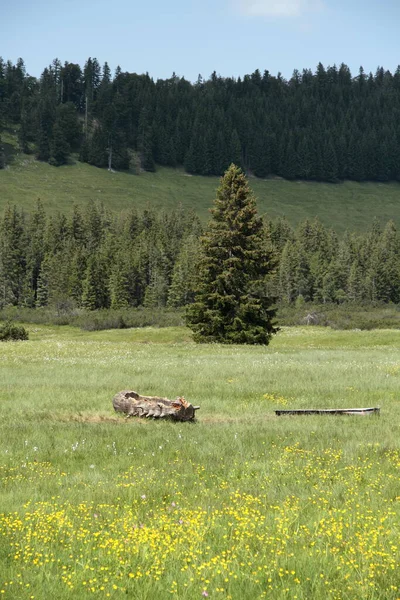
231, 304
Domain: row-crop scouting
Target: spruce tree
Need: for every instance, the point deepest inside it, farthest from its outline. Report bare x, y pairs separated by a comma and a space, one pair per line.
59, 147
23, 134
181, 290
119, 283
12, 256
231, 303
2, 156
94, 286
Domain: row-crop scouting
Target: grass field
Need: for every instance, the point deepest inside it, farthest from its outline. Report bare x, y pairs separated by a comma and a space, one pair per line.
348, 205
241, 505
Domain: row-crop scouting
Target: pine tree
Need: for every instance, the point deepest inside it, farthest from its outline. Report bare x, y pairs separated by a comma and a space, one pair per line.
23, 133
156, 292
235, 149
290, 165
94, 286
181, 291
287, 273
46, 117
59, 147
231, 305
355, 283
67, 120
331, 169
42, 293
2, 156
145, 142
97, 154
76, 274
119, 283
34, 253
43, 145
12, 257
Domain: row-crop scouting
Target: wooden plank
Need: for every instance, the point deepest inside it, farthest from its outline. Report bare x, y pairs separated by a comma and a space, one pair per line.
330, 411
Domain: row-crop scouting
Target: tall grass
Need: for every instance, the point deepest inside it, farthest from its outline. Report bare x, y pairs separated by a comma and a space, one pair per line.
241, 505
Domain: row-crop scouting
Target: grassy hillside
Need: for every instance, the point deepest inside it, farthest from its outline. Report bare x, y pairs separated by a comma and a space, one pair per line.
343, 206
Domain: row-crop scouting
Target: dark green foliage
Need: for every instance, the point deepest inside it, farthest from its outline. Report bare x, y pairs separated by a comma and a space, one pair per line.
2, 156
23, 134
35, 252
59, 147
341, 316
43, 145
94, 286
183, 280
68, 123
97, 149
120, 283
46, 118
97, 320
231, 305
12, 256
95, 260
322, 126
145, 141
10, 332
71, 84
84, 152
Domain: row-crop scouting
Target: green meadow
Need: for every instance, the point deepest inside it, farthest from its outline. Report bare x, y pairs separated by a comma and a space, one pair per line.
240, 505
344, 206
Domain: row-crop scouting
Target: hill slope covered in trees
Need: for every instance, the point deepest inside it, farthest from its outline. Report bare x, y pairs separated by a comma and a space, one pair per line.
326, 125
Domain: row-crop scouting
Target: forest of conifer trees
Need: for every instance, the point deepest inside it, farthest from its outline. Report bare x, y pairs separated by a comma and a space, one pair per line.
326, 125
92, 260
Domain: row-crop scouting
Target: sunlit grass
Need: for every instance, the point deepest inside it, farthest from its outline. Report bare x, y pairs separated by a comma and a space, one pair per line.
344, 206
241, 505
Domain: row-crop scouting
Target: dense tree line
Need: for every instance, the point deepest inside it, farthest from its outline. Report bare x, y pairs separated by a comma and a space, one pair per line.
326, 125
92, 259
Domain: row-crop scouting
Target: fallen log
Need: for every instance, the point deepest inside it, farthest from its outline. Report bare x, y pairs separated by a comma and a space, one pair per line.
134, 405
330, 411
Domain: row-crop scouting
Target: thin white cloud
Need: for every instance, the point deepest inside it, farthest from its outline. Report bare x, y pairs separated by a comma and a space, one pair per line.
278, 8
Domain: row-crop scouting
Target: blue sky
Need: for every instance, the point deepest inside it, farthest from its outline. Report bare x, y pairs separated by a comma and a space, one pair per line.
232, 37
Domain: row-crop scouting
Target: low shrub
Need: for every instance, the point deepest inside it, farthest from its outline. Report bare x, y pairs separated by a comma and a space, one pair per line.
10, 332
341, 316
97, 319
123, 319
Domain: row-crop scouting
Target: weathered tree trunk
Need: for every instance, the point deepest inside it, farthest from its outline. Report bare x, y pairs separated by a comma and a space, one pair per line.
135, 405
